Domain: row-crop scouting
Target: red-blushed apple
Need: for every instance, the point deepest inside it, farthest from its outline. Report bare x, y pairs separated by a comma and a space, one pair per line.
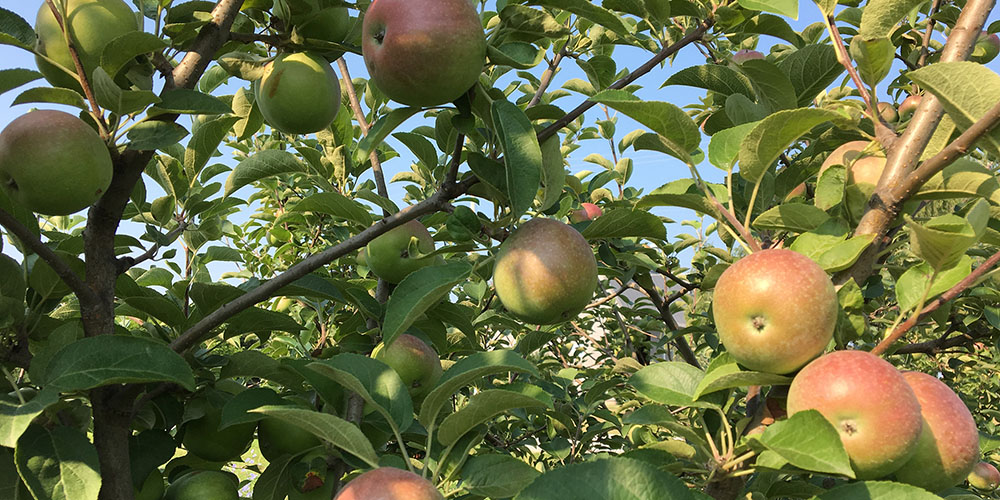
775, 310
415, 362
888, 112
869, 403
388, 483
984, 476
389, 256
864, 165
948, 449
53, 163
423, 52
909, 106
743, 55
299, 93
92, 24
986, 49
587, 211
545, 272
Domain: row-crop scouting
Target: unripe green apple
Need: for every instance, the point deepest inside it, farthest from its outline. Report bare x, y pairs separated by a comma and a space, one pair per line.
986, 49
389, 255
388, 483
984, 476
204, 485
299, 93
415, 362
545, 272
775, 310
423, 52
277, 437
909, 106
203, 437
92, 24
888, 112
869, 403
53, 163
948, 449
743, 55
332, 24
587, 211
152, 488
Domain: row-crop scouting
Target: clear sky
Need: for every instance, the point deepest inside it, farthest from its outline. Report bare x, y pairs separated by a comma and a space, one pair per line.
651, 169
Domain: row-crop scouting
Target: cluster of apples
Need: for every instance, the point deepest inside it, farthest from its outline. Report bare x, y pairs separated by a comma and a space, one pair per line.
776, 310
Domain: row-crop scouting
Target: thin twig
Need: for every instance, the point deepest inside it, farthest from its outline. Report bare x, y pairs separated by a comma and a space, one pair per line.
126, 263
925, 43
546, 79
359, 115
80, 72
456, 160
680, 343
210, 38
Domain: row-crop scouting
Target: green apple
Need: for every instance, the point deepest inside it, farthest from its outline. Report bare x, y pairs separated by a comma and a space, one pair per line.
744, 55
423, 52
203, 438
863, 159
775, 310
888, 112
278, 438
545, 272
984, 476
948, 449
587, 211
152, 488
53, 163
299, 93
388, 483
331, 24
869, 403
909, 106
92, 24
390, 255
204, 485
415, 362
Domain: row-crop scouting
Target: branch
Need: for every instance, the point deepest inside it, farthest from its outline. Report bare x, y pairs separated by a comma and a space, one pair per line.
33, 242
680, 343
210, 39
456, 161
126, 263
196, 333
953, 292
631, 77
359, 115
80, 72
547, 77
607, 298
937, 345
925, 43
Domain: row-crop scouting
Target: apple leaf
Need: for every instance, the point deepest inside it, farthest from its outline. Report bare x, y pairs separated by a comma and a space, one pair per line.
880, 17
727, 375
205, 141
15, 77
155, 134
336, 204
372, 380
190, 102
482, 407
607, 478
329, 428
830, 187
911, 285
795, 217
467, 371
715, 77
380, 130
496, 476
685, 193
263, 164
237, 409
725, 145
517, 55
842, 255
672, 383
116, 359
874, 58
589, 11
14, 418
771, 85
123, 49
967, 91
58, 463
773, 135
811, 69
419, 291
878, 490
962, 179
626, 223
522, 155
19, 31
54, 95
530, 23
808, 441
273, 482
943, 240
665, 119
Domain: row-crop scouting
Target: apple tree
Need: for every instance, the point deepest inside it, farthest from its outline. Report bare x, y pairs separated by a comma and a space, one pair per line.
207, 290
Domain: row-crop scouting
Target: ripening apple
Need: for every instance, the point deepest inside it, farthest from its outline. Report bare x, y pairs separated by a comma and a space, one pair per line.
986, 49
862, 159
545, 272
948, 449
415, 362
888, 112
909, 106
984, 476
869, 403
743, 55
92, 24
775, 310
53, 163
390, 256
423, 52
587, 211
299, 93
388, 483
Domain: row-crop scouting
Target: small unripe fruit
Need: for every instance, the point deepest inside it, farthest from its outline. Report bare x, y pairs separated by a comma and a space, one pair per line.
299, 93
389, 256
587, 211
416, 363
743, 55
388, 483
909, 106
984, 476
888, 112
204, 485
277, 438
203, 437
986, 49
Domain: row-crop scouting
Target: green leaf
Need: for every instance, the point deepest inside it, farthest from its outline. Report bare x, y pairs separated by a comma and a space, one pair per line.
715, 77
880, 17
874, 58
273, 483
335, 204
725, 145
672, 383
15, 418
496, 476
830, 187
531, 24
237, 409
725, 374
843, 255
966, 90
482, 407
522, 155
795, 217
372, 380
54, 95
589, 11
771, 85
518, 55
911, 285
877, 490
467, 371
607, 479
155, 134
773, 135
808, 441
15, 77
962, 179
788, 8
811, 70
684, 193
943, 240
626, 223
243, 65
123, 49
663, 118
115, 359
58, 464
17, 28
190, 102
380, 130
419, 291
263, 164
553, 173
329, 428
205, 142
